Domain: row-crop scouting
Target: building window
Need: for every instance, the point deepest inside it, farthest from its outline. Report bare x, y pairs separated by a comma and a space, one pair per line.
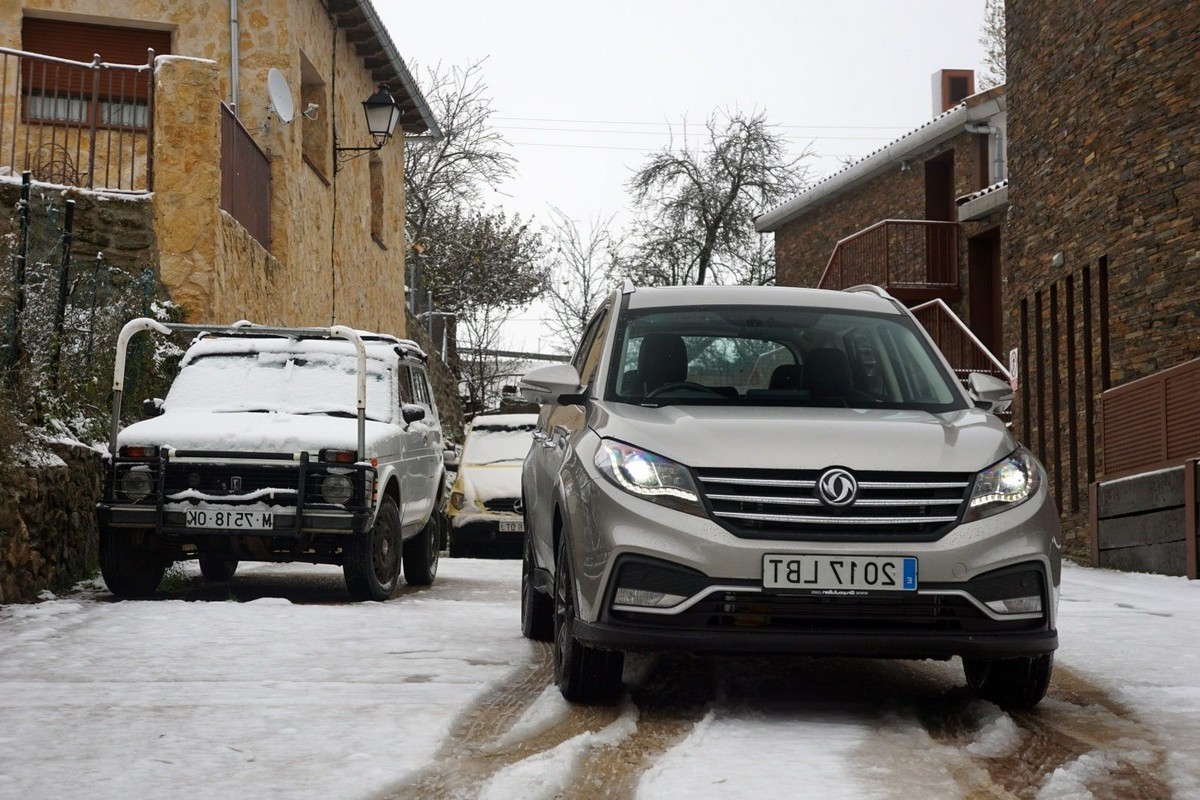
55, 92
315, 143
377, 195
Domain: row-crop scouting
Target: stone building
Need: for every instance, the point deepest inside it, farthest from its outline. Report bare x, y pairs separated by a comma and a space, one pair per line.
291, 221
1102, 266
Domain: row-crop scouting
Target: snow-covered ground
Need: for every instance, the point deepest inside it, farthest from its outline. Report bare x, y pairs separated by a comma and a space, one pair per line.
319, 698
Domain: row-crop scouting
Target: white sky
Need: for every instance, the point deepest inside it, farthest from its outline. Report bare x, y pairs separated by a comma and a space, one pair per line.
584, 91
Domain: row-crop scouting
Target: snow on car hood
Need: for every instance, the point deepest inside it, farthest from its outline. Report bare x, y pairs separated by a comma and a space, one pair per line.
485, 482
810, 438
259, 432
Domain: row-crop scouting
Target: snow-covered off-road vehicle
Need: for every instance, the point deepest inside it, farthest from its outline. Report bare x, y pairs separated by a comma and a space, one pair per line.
318, 445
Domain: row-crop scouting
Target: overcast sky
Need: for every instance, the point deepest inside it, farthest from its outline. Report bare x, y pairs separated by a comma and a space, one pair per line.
584, 91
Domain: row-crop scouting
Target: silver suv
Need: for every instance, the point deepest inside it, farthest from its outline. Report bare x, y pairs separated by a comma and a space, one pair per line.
772, 470
317, 445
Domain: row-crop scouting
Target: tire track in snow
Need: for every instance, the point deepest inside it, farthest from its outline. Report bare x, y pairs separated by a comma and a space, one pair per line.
470, 757
1077, 736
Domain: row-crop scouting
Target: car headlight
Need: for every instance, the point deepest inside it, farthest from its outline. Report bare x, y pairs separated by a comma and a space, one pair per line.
1007, 483
137, 484
337, 489
649, 476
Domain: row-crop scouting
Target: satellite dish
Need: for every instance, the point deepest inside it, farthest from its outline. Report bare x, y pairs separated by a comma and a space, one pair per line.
281, 95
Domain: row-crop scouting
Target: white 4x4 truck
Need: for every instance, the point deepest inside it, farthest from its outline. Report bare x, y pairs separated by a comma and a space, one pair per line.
317, 445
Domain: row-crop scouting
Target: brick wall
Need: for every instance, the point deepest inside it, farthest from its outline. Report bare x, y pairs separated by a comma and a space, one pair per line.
1105, 169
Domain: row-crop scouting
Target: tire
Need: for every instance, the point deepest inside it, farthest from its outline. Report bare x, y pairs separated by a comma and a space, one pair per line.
421, 553
1011, 683
584, 674
371, 562
129, 569
216, 569
537, 608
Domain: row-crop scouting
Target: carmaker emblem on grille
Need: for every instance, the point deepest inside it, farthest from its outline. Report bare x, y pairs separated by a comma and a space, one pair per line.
235, 483
518, 506
837, 487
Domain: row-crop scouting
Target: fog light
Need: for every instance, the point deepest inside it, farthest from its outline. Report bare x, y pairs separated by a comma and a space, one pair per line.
337, 489
646, 598
1017, 605
137, 484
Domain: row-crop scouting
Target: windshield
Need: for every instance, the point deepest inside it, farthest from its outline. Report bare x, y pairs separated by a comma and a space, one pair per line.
777, 355
498, 443
281, 382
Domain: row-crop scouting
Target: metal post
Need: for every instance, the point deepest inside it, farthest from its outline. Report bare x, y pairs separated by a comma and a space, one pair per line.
429, 310
95, 120
14, 353
60, 307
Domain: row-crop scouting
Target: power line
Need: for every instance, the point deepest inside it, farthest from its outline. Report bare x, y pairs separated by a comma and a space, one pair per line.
669, 124
661, 133
642, 149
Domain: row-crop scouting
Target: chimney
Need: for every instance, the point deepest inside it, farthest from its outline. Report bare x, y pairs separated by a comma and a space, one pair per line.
951, 87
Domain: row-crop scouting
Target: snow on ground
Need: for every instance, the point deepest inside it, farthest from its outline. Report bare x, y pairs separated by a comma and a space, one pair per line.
270, 698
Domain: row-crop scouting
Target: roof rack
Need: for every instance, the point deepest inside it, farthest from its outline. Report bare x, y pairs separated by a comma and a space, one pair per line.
869, 288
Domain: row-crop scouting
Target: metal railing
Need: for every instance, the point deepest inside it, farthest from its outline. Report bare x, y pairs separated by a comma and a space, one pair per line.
960, 345
76, 123
896, 253
1151, 423
245, 179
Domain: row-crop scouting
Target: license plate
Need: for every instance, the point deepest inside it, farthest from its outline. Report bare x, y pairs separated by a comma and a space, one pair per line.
512, 527
834, 575
229, 519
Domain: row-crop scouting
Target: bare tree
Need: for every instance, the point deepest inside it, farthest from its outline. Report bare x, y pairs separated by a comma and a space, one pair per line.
583, 263
470, 156
992, 38
697, 203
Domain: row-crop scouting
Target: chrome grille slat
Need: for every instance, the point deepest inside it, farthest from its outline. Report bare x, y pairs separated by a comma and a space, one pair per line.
784, 504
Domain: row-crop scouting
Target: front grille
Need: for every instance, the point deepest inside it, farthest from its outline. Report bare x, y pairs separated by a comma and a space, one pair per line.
779, 504
502, 504
907, 613
220, 481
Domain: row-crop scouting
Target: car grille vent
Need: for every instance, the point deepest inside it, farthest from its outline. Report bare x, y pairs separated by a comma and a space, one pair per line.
502, 504
912, 613
238, 481
777, 504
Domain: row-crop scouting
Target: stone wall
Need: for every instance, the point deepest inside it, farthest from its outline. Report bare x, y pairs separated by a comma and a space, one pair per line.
1142, 522
48, 534
1105, 170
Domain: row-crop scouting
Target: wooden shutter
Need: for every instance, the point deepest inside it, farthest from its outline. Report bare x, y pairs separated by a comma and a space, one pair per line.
79, 41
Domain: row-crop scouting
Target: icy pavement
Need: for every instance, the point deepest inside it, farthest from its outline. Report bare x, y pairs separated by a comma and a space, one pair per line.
294, 693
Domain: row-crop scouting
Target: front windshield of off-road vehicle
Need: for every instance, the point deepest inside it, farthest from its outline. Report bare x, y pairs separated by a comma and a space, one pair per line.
281, 382
777, 355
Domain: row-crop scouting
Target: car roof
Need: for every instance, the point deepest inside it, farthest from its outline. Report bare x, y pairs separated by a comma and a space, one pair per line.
669, 296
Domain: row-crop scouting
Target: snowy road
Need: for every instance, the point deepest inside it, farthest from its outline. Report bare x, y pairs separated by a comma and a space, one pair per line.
294, 693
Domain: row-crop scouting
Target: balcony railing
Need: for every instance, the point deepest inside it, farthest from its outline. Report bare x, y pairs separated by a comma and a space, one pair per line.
75, 123
959, 345
912, 259
245, 179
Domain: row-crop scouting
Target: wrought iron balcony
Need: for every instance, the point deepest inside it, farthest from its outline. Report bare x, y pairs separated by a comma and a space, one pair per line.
915, 260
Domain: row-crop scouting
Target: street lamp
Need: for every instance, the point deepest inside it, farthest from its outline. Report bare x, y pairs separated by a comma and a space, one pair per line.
382, 114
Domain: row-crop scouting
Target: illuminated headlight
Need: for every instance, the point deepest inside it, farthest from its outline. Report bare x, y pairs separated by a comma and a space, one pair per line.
137, 484
1003, 485
337, 489
649, 476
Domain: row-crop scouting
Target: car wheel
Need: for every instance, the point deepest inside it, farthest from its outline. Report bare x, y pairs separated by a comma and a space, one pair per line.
217, 570
128, 568
537, 608
583, 674
372, 558
421, 553
1011, 683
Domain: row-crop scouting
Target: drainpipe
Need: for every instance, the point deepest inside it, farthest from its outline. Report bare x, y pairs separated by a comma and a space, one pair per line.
997, 144
233, 53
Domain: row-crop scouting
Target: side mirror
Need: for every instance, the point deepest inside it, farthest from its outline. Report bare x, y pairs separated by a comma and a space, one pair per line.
989, 392
553, 383
412, 413
450, 458
152, 407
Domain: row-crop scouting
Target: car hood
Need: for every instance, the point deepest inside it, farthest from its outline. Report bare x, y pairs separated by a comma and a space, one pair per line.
485, 482
266, 433
810, 438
